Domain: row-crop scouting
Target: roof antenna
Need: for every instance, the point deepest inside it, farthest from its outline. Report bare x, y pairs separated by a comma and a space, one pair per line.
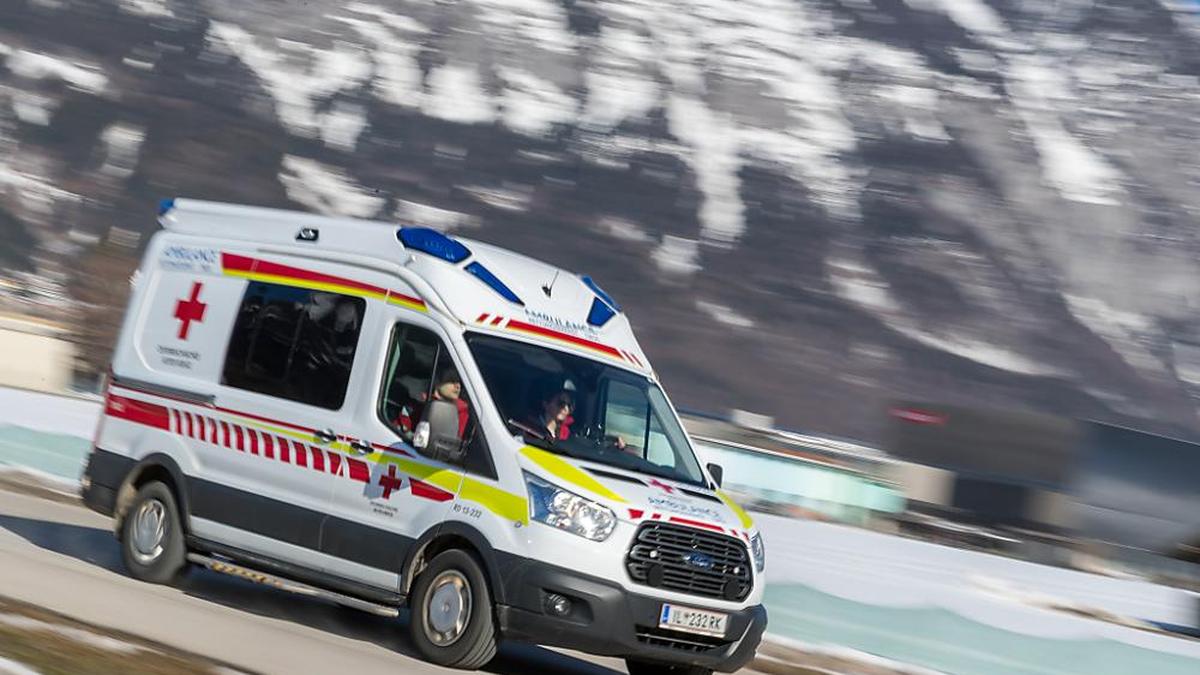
549, 288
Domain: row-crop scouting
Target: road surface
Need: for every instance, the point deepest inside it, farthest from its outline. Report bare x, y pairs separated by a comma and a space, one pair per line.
64, 558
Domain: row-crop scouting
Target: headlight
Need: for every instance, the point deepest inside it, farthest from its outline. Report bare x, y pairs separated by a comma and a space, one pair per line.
556, 507
759, 552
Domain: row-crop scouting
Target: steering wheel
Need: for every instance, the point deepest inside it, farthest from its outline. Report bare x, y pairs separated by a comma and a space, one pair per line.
604, 443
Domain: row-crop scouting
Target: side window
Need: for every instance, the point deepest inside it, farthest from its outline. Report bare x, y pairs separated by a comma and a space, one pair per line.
411, 367
419, 368
294, 343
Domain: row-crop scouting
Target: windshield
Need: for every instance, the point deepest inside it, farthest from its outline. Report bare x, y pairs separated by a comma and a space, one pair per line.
578, 407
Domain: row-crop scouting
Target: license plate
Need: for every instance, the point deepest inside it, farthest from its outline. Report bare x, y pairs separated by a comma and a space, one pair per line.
691, 620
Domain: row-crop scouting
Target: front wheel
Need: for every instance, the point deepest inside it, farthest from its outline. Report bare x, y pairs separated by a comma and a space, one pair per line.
648, 668
152, 545
451, 622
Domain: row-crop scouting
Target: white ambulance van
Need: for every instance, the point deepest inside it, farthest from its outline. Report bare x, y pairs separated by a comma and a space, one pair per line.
391, 417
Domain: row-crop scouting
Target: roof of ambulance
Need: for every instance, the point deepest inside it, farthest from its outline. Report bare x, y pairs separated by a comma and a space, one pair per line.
553, 305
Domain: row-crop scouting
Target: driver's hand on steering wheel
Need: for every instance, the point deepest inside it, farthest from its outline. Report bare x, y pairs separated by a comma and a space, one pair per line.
617, 442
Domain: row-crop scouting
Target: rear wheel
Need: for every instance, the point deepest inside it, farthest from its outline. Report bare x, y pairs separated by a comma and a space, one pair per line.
648, 668
152, 545
451, 623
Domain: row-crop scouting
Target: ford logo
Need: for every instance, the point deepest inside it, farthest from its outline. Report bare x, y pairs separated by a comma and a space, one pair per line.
698, 560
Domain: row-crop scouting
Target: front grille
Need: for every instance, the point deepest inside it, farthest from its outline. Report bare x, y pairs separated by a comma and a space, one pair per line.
660, 556
684, 642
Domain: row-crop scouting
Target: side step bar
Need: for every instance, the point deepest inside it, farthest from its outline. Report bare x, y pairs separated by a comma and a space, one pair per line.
225, 567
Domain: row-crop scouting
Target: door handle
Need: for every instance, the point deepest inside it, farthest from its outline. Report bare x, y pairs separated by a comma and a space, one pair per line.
359, 445
325, 435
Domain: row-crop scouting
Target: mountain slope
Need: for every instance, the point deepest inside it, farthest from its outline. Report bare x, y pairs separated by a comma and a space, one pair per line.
807, 208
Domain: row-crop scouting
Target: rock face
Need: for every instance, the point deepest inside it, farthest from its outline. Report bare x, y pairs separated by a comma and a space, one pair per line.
808, 208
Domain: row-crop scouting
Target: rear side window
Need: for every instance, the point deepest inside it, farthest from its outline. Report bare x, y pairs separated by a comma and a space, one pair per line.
294, 343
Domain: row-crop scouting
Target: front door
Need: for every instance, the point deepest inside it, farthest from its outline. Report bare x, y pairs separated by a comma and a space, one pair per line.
373, 524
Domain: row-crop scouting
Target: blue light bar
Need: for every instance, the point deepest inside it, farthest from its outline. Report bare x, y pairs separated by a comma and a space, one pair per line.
608, 300
165, 205
483, 274
600, 313
433, 243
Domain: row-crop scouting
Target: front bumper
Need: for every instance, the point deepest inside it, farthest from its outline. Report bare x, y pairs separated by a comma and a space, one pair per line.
607, 620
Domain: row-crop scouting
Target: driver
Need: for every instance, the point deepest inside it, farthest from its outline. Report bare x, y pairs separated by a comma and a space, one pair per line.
554, 417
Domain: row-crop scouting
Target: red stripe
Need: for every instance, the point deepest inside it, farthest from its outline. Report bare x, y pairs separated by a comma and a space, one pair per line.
268, 446
335, 463
697, 523
538, 330
407, 298
268, 420
285, 450
225, 438
318, 458
140, 412
155, 393
252, 439
427, 491
238, 263
359, 470
482, 317
396, 450
497, 321
237, 432
301, 455
635, 514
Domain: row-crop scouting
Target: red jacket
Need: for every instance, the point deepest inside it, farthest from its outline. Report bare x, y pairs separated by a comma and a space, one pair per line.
409, 422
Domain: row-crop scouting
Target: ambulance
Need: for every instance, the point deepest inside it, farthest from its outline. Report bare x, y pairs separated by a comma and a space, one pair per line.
389, 417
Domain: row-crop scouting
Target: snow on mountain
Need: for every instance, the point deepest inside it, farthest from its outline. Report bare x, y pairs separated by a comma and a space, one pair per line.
808, 207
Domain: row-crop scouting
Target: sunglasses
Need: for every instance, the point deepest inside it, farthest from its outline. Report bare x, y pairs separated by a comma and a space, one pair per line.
563, 402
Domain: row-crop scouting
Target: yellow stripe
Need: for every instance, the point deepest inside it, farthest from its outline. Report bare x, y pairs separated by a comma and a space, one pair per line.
504, 504
410, 304
569, 473
737, 510
306, 283
500, 502
290, 433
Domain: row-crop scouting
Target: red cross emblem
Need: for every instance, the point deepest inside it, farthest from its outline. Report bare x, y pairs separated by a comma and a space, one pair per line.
390, 482
665, 488
189, 310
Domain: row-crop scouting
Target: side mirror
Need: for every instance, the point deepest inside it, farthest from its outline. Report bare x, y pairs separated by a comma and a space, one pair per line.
436, 436
716, 471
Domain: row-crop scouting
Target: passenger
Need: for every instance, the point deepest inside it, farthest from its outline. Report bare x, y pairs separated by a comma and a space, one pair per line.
448, 387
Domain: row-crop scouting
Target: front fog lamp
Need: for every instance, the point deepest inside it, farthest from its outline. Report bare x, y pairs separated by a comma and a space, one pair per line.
759, 552
556, 507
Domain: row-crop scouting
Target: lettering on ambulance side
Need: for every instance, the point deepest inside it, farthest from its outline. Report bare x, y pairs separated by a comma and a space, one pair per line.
190, 259
550, 321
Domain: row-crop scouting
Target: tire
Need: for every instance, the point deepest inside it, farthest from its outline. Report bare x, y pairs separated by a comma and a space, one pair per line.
451, 621
153, 553
648, 668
